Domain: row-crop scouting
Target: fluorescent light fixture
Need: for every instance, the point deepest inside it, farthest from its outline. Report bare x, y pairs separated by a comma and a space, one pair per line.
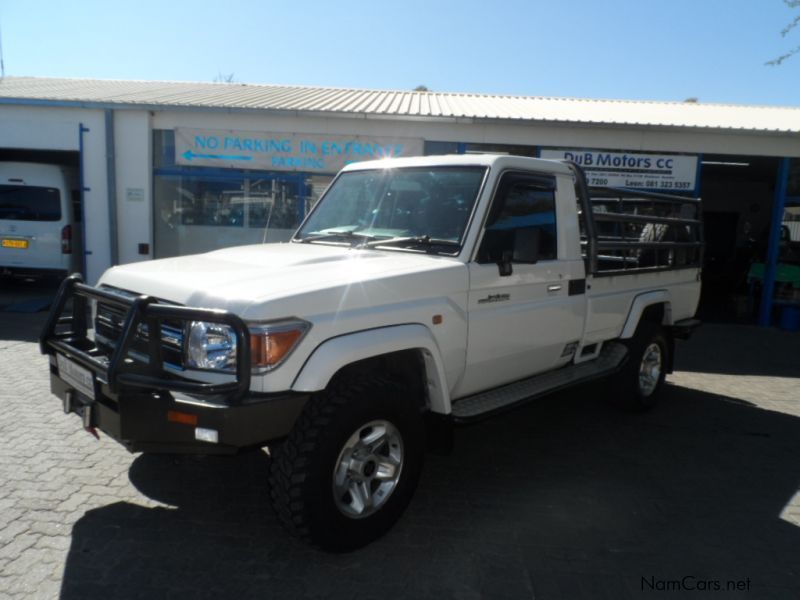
725, 164
486, 152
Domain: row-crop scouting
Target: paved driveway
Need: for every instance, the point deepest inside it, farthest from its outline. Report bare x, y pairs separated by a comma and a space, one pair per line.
563, 499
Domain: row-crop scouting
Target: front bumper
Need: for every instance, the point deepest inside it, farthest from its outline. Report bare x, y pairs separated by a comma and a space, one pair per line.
143, 405
153, 421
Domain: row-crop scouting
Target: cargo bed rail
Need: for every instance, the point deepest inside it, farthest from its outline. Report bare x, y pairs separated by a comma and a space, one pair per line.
632, 231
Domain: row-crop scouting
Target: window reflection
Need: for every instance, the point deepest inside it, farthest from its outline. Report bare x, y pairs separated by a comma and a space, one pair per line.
199, 213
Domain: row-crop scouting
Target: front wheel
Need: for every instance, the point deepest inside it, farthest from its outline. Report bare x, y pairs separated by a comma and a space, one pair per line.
638, 385
350, 466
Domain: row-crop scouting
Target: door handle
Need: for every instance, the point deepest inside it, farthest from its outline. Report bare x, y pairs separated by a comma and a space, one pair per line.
553, 288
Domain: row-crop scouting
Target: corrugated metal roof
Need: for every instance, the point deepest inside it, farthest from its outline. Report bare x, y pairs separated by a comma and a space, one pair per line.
398, 104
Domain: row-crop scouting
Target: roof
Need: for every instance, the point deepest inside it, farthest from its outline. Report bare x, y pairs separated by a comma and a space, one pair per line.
395, 104
500, 161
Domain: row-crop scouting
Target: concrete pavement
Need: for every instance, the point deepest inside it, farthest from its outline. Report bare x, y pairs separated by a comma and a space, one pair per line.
563, 499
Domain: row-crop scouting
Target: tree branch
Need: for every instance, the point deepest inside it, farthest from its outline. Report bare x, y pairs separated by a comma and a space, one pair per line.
793, 24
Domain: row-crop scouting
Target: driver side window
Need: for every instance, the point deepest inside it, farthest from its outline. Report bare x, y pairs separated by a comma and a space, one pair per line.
522, 202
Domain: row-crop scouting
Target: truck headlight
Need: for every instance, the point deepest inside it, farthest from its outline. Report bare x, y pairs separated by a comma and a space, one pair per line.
211, 346
271, 343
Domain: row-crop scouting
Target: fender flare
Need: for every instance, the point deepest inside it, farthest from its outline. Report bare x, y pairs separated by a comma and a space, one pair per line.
640, 304
334, 354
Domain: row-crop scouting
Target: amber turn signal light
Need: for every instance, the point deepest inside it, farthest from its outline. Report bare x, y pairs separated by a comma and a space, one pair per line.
269, 346
182, 418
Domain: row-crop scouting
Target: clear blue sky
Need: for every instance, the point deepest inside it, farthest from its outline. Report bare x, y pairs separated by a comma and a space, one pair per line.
714, 50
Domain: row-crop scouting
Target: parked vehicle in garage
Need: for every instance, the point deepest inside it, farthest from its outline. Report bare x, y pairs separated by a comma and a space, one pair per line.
39, 219
418, 293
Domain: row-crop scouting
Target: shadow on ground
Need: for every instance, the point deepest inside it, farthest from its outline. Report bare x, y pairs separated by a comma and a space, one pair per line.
740, 350
565, 498
23, 307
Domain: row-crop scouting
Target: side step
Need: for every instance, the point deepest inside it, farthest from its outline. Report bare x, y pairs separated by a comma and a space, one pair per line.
472, 407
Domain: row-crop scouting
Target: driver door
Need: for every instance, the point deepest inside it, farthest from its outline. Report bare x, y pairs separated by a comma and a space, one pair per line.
522, 318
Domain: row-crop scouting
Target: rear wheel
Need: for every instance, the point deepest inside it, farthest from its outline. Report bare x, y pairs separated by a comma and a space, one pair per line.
350, 466
638, 385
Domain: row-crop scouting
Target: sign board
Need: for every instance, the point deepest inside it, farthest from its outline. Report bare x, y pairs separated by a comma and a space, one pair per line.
284, 151
134, 194
656, 172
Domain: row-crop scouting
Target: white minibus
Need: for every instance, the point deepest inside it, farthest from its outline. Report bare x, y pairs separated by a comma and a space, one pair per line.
40, 229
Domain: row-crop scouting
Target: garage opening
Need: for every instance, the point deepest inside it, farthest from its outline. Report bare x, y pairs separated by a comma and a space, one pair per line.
737, 193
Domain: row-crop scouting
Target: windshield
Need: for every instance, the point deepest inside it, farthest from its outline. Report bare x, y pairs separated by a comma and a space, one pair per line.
22, 203
430, 204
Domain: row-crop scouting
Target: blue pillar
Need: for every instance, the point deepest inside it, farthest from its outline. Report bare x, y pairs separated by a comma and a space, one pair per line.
771, 263
83, 189
461, 148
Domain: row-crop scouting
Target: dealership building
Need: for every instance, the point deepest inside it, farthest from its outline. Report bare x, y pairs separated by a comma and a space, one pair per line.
170, 168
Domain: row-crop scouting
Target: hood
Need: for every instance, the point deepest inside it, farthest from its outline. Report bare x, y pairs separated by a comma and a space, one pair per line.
243, 278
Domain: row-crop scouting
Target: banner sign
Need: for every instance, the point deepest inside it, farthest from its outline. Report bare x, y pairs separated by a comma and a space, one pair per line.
656, 172
284, 151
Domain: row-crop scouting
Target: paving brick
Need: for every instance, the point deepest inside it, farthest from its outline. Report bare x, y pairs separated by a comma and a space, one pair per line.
562, 499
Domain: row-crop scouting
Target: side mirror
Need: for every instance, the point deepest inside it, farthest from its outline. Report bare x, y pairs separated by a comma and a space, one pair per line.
504, 265
525, 250
526, 245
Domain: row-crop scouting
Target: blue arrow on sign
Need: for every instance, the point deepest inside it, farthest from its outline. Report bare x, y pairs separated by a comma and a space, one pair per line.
189, 155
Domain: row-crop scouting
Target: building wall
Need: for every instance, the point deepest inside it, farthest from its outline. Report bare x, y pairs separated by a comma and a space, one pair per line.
56, 128
563, 135
134, 187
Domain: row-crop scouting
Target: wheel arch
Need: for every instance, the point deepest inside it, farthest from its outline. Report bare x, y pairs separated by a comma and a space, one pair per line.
655, 306
410, 350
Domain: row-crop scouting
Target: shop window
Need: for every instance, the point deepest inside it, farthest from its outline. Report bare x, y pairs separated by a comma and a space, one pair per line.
163, 148
437, 148
204, 211
513, 149
198, 209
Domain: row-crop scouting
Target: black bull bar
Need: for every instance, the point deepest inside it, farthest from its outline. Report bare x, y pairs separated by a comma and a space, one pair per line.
67, 334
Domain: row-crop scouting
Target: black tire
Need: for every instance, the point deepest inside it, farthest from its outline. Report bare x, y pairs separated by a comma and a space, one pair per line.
637, 387
302, 470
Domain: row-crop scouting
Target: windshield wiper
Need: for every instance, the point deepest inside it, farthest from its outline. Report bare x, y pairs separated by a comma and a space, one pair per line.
413, 240
332, 235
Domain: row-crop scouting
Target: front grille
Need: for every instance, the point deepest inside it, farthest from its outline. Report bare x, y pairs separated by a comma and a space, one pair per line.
108, 331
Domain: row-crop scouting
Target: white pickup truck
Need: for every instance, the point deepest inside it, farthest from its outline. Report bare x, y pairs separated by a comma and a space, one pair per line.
417, 293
